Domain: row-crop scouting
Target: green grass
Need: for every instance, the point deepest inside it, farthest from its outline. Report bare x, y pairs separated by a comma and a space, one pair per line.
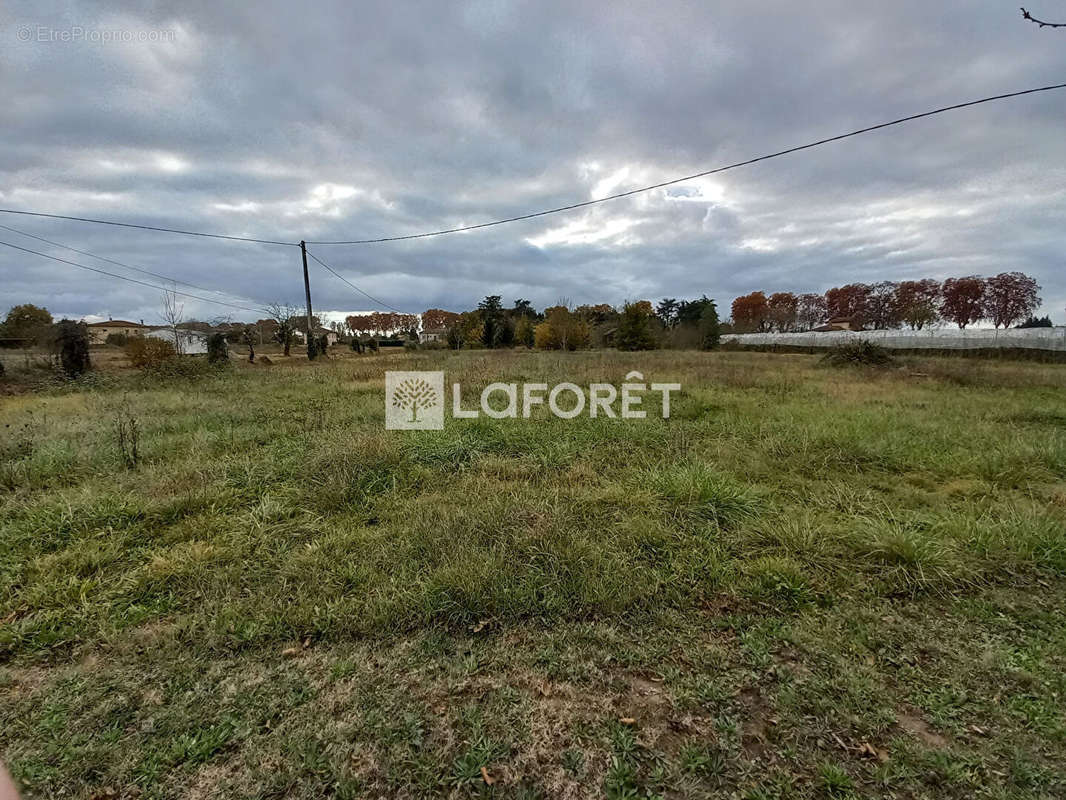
808, 582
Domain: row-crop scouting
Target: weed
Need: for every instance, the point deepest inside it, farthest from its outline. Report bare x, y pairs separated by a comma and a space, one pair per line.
835, 781
127, 436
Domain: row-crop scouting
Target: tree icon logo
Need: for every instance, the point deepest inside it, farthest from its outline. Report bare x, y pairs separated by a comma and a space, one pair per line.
415, 394
414, 400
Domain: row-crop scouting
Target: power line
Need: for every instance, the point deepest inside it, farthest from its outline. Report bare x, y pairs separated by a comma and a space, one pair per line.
714, 171
338, 275
124, 278
146, 227
559, 209
112, 261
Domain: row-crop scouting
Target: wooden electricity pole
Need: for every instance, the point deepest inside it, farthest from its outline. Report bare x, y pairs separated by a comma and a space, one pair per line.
307, 294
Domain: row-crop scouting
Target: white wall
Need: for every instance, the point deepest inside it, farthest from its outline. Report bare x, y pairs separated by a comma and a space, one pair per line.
940, 338
192, 343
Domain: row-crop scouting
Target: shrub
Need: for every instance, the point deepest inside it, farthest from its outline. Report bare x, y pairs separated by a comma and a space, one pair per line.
117, 339
190, 367
217, 351
148, 351
72, 342
410, 346
858, 354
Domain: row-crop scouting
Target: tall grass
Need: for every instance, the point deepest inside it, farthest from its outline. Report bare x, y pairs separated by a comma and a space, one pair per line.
271, 503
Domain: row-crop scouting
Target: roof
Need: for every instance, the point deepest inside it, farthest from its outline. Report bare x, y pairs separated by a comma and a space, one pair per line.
829, 326
116, 323
841, 319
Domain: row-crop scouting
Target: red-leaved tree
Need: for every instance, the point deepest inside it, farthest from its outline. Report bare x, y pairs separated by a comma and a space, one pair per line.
1010, 297
882, 308
810, 311
962, 300
783, 308
849, 301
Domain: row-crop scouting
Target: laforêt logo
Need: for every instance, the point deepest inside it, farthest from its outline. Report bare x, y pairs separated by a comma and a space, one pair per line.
414, 401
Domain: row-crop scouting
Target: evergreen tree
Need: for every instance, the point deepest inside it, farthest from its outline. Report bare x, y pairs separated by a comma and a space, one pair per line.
710, 330
491, 312
634, 327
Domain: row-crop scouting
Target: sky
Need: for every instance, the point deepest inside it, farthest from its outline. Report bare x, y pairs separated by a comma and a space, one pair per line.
341, 120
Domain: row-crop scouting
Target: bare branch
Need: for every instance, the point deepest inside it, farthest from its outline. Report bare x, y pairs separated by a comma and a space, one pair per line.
174, 315
1040, 22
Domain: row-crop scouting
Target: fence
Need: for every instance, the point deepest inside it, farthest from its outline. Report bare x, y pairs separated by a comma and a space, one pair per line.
936, 339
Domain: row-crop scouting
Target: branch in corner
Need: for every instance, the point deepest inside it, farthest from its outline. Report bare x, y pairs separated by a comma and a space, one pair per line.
1040, 22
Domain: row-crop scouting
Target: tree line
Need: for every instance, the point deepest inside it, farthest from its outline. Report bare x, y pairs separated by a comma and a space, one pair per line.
1004, 300
635, 326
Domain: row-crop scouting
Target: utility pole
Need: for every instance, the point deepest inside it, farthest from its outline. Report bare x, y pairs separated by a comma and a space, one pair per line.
307, 294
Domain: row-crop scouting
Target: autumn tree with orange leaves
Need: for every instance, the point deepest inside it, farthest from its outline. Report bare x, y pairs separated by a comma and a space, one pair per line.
751, 312
438, 319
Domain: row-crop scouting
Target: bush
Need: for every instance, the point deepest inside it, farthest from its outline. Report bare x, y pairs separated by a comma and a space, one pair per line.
184, 367
72, 342
117, 339
858, 354
148, 351
217, 351
410, 346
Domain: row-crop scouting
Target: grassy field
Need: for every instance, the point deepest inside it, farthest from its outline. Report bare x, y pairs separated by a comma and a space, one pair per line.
807, 582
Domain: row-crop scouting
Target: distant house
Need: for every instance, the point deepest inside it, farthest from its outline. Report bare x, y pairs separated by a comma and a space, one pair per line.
331, 336
99, 331
433, 335
839, 324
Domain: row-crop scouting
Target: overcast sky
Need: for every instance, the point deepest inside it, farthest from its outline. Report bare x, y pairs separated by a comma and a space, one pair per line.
349, 121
